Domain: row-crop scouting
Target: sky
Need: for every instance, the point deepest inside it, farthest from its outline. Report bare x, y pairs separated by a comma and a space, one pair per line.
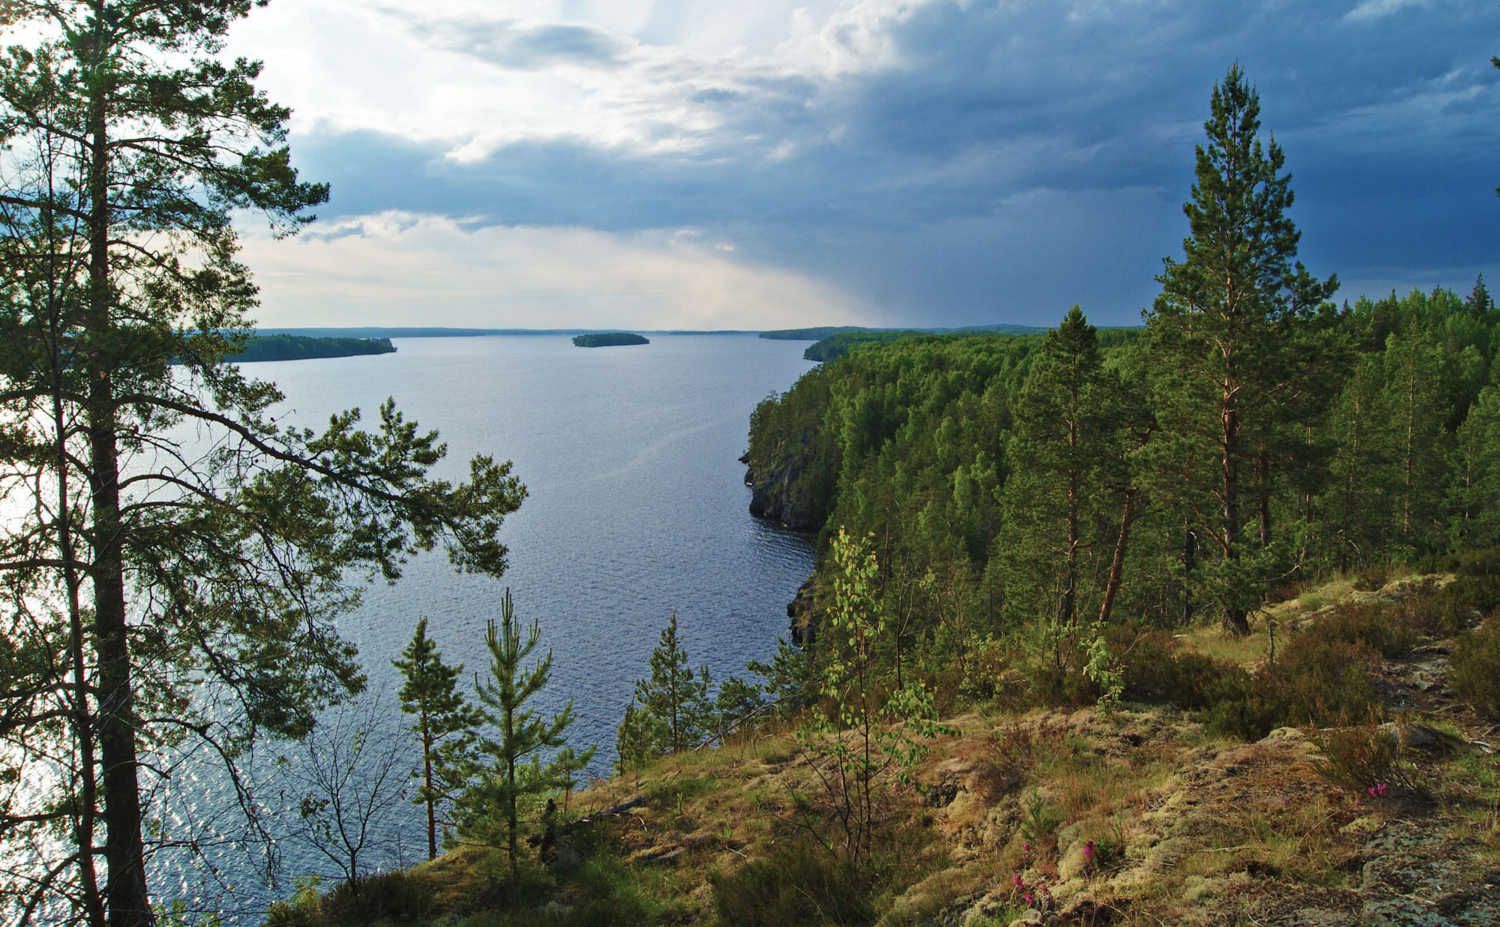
687, 164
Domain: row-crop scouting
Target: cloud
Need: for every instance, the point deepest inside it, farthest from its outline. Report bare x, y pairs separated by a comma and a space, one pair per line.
1379, 9
937, 160
399, 268
530, 46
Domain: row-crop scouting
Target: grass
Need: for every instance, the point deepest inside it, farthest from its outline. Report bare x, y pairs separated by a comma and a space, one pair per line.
1147, 813
1217, 643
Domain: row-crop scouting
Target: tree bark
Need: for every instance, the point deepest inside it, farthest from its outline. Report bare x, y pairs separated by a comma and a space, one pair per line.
126, 893
1117, 562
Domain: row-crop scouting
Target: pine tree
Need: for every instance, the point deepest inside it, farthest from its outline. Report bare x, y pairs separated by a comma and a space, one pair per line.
1476, 482
671, 711
1414, 381
183, 556
1221, 334
1065, 453
489, 811
1479, 302
445, 723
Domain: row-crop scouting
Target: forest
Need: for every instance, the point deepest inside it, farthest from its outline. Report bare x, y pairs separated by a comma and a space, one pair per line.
302, 347
1063, 475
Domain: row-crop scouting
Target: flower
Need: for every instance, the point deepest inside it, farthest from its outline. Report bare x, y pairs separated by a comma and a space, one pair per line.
1026, 896
1089, 849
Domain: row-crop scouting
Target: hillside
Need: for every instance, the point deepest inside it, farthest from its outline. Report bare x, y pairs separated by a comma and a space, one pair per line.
1067, 813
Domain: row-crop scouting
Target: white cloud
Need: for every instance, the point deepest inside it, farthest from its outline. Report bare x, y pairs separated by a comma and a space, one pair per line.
1371, 10
405, 269
478, 76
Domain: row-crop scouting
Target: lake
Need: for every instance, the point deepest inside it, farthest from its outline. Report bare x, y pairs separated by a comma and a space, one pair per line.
636, 508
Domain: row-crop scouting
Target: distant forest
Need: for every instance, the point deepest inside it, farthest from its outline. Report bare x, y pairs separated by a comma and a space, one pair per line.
300, 347
609, 339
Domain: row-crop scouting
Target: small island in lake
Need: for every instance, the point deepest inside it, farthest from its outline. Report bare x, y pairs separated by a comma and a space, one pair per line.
608, 339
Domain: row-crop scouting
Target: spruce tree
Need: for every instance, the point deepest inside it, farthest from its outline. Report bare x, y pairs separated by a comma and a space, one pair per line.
444, 723
489, 811
1224, 335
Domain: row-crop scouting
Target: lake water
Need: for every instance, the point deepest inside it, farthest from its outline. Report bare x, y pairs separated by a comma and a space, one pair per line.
636, 508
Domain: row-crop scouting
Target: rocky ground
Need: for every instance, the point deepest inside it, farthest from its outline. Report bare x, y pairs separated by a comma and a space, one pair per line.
1136, 816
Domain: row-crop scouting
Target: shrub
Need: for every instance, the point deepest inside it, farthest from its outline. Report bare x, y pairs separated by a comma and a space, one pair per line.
1359, 758
1323, 680
1320, 679
607, 895
1155, 670
1375, 626
1475, 668
1374, 578
386, 896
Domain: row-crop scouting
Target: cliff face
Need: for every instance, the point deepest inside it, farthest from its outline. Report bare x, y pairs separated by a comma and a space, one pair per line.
778, 495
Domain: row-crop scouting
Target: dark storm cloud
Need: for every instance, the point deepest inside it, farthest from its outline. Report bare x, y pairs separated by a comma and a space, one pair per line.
1022, 156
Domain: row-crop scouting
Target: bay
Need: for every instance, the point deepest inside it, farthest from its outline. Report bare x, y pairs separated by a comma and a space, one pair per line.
636, 509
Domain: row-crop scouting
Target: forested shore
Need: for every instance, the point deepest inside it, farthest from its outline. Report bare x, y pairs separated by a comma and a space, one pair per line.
986, 461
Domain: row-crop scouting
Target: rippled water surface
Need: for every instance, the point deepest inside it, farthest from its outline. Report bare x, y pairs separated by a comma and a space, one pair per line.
636, 508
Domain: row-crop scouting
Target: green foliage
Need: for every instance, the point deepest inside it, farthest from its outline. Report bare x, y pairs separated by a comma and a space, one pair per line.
1476, 668
490, 809
791, 678
387, 897
808, 334
444, 723
1234, 327
609, 339
300, 347
1321, 678
183, 556
887, 734
671, 711
1062, 502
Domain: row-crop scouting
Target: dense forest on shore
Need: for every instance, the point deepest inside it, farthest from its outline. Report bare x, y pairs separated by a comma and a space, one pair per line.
301, 347
953, 452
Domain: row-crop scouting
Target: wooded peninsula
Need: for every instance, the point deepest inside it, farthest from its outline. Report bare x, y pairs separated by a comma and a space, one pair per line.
300, 347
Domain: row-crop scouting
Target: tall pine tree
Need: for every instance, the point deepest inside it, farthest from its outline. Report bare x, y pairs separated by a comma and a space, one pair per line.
1066, 453
1222, 334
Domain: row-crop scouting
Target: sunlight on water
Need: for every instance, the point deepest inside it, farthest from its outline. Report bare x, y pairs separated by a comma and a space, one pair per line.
636, 508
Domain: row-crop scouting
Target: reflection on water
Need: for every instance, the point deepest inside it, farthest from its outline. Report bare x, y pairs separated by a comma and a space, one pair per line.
636, 509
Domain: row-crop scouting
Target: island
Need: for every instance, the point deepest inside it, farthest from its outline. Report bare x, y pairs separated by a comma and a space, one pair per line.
608, 339
300, 347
